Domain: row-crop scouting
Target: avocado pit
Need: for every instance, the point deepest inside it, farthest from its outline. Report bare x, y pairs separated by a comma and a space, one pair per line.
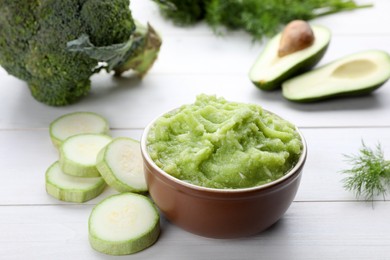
296, 36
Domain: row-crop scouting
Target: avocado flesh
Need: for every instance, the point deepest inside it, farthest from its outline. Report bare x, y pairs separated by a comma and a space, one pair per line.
270, 71
356, 74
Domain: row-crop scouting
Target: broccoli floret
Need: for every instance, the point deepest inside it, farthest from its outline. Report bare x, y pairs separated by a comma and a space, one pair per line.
48, 44
17, 26
118, 22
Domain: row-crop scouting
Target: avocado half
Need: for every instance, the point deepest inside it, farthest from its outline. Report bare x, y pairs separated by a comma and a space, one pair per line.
270, 71
356, 74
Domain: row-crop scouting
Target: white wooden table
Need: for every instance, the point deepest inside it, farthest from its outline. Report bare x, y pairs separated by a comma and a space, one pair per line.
324, 221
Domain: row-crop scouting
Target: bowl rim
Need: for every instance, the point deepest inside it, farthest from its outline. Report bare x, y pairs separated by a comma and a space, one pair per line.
296, 169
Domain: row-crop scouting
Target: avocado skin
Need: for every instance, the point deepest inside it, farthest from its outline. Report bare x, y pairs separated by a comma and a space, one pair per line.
359, 92
297, 69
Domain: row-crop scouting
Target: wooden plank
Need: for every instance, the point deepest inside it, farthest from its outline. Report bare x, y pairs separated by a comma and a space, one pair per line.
224, 55
212, 55
322, 177
328, 230
25, 157
121, 100
24, 166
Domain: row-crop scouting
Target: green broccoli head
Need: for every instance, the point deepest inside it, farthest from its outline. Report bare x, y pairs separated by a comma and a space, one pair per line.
35, 37
17, 26
118, 22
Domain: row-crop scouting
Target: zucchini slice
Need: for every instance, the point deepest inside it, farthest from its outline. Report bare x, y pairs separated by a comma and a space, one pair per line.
78, 154
123, 224
76, 123
120, 164
72, 189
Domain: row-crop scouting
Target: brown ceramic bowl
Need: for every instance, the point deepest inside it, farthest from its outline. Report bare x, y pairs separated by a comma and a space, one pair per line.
220, 213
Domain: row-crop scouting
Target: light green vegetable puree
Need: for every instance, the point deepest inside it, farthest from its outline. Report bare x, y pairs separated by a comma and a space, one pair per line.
220, 144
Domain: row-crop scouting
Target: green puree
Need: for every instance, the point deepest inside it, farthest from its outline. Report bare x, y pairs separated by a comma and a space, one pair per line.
220, 144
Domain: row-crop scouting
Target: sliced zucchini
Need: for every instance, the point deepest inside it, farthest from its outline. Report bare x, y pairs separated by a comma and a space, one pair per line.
76, 123
72, 189
270, 70
120, 164
78, 154
123, 224
356, 74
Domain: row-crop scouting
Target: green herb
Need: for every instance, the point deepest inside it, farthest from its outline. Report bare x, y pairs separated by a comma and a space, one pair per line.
370, 173
261, 18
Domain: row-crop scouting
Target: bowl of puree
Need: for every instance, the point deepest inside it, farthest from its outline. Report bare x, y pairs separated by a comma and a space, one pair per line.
222, 169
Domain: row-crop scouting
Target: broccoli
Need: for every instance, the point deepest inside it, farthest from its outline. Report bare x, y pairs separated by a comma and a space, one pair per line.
55, 46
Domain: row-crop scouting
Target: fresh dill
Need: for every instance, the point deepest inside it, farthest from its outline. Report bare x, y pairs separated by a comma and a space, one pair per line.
260, 18
369, 175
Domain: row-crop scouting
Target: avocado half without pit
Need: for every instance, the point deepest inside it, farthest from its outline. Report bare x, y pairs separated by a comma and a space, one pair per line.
289, 53
356, 74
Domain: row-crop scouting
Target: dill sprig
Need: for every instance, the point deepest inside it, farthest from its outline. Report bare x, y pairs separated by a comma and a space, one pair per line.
370, 173
260, 18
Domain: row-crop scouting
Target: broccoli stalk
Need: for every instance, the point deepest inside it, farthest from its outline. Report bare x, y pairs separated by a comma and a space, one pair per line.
137, 54
55, 46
